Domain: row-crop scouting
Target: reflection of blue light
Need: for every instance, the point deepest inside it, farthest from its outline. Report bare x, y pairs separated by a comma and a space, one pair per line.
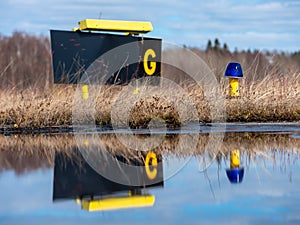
235, 175
234, 70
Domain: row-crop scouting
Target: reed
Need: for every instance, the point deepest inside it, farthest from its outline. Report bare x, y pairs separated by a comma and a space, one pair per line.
269, 99
28, 110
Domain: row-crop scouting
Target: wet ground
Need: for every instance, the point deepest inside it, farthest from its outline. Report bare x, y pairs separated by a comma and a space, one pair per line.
247, 174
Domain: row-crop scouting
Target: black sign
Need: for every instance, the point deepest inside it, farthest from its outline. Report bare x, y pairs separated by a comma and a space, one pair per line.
75, 178
83, 57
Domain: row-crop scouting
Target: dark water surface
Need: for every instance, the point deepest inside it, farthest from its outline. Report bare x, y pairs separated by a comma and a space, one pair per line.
41, 185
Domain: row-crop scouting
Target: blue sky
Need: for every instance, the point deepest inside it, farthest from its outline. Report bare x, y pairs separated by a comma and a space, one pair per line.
266, 196
243, 24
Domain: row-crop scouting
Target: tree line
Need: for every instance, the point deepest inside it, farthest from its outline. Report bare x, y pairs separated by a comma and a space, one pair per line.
256, 64
25, 62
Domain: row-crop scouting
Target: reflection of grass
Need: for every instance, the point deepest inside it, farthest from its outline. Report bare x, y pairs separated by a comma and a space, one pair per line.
26, 152
272, 99
255, 146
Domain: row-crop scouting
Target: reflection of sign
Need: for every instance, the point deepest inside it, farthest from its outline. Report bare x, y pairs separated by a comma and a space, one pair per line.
118, 203
74, 52
75, 179
151, 165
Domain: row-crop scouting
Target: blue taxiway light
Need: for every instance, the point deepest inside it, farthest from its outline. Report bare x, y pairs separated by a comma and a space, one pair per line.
234, 70
235, 175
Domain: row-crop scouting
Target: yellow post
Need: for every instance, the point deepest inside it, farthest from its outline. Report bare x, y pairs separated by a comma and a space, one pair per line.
234, 87
136, 90
234, 159
85, 91
86, 143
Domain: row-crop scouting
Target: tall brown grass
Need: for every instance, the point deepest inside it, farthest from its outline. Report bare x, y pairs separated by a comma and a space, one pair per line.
33, 111
271, 99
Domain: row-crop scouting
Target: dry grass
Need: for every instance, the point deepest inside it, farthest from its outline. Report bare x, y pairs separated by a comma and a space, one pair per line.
23, 153
28, 110
271, 99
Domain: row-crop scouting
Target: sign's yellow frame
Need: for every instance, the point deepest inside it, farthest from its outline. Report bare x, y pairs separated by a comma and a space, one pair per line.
132, 27
118, 203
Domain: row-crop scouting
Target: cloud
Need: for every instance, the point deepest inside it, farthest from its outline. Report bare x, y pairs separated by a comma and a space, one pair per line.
262, 40
183, 22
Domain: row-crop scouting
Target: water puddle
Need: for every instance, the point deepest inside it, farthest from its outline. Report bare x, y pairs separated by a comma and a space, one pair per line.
249, 177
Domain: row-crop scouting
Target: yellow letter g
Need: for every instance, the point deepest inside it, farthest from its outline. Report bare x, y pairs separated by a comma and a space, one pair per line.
149, 70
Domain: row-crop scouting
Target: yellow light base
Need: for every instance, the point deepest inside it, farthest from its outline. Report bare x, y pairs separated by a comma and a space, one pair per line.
234, 87
234, 159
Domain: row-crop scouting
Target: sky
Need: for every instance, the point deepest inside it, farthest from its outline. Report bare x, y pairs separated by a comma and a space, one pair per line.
249, 24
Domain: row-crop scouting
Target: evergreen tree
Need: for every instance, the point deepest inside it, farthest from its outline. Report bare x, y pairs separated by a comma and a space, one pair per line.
225, 47
209, 45
217, 44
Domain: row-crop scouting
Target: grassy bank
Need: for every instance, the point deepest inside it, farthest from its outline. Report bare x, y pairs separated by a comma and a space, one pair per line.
29, 99
270, 99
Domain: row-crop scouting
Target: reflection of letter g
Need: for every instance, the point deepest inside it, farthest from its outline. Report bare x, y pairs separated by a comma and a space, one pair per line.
150, 71
151, 174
